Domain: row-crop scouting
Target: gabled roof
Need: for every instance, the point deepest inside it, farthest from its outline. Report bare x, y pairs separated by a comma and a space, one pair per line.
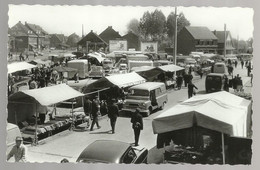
109, 34
130, 34
60, 37
92, 37
221, 35
21, 30
201, 33
36, 29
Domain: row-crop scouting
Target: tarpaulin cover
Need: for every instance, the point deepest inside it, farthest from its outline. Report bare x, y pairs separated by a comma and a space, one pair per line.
97, 56
14, 67
171, 68
142, 68
220, 111
40, 62
48, 95
120, 80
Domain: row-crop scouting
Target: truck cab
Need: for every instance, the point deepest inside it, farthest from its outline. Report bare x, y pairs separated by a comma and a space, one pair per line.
147, 97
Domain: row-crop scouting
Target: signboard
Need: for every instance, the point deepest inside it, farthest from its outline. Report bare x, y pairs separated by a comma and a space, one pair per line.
117, 45
151, 47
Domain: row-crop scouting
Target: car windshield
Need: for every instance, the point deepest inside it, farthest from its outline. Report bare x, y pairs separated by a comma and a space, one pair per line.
215, 78
129, 156
135, 92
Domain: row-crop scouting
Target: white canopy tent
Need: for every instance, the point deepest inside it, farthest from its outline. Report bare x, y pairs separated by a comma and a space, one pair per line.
45, 96
221, 111
19, 66
171, 68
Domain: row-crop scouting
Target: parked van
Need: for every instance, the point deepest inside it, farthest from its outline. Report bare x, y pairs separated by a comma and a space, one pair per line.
12, 132
220, 68
81, 66
147, 97
214, 82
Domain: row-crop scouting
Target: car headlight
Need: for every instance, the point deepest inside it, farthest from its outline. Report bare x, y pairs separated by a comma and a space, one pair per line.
143, 104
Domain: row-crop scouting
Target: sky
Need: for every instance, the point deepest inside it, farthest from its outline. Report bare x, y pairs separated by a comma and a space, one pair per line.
69, 19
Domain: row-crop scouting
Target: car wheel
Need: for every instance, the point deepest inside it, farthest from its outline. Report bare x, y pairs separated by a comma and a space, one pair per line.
148, 112
162, 107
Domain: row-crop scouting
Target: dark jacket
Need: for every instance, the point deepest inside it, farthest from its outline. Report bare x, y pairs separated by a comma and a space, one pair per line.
88, 107
137, 121
113, 111
95, 105
191, 86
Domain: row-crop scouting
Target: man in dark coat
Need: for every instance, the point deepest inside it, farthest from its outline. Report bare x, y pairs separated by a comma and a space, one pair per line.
113, 113
191, 87
137, 125
186, 79
179, 81
242, 64
249, 69
95, 113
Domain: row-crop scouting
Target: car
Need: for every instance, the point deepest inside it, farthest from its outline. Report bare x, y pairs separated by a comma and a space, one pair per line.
147, 97
112, 151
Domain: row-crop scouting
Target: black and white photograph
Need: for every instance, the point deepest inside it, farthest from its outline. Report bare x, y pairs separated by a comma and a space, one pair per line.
94, 84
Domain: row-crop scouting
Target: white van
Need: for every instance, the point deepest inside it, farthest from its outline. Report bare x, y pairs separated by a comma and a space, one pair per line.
81, 66
147, 97
220, 68
12, 132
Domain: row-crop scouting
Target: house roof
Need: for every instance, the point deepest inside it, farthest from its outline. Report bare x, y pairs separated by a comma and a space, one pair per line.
36, 29
92, 37
221, 35
109, 34
201, 33
21, 30
60, 37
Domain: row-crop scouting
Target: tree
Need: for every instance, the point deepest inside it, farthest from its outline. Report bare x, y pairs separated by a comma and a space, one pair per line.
133, 26
153, 25
145, 24
181, 22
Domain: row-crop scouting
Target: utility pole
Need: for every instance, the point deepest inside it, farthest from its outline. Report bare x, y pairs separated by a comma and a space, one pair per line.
225, 40
238, 44
175, 39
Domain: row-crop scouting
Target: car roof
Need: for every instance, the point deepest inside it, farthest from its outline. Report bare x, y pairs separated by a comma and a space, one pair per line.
215, 74
104, 151
148, 86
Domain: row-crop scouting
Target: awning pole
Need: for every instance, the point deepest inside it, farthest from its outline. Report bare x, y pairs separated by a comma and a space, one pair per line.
223, 148
36, 126
72, 122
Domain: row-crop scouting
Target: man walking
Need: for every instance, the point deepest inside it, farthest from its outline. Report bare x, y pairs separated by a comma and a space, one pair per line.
113, 113
18, 151
95, 113
87, 108
191, 87
242, 64
137, 125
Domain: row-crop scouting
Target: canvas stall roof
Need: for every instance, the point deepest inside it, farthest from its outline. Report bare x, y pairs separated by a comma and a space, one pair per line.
98, 57
19, 66
69, 55
222, 112
142, 68
120, 80
48, 95
171, 68
40, 61
125, 80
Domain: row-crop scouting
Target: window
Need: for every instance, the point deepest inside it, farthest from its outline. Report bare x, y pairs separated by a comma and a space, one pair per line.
129, 157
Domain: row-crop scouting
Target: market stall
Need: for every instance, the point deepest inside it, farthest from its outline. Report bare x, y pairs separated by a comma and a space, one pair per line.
220, 115
25, 107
